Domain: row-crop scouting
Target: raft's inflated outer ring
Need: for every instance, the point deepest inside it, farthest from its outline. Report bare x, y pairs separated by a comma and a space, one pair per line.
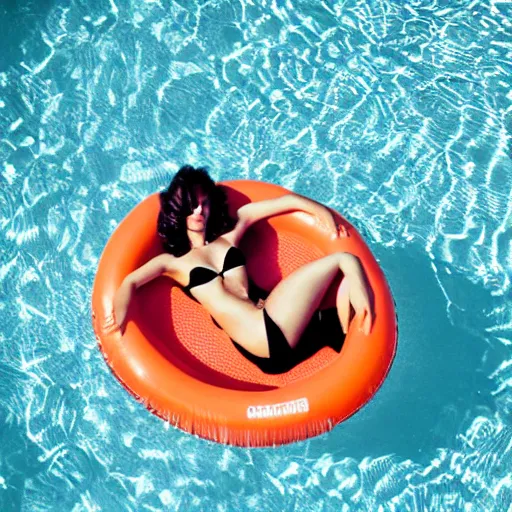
304, 407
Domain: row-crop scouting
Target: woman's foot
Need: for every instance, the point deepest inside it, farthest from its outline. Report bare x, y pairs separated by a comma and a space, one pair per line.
354, 296
343, 304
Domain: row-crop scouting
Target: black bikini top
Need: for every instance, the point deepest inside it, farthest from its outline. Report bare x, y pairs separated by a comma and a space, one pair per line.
201, 275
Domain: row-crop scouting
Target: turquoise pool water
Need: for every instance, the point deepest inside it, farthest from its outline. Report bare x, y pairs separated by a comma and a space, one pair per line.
397, 115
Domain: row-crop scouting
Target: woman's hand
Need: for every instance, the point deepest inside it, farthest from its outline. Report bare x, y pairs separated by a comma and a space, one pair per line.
355, 291
121, 304
336, 229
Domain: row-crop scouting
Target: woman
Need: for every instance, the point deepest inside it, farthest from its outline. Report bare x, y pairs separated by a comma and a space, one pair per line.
201, 254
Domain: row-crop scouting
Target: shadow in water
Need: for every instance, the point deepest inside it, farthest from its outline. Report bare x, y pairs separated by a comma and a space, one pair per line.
436, 384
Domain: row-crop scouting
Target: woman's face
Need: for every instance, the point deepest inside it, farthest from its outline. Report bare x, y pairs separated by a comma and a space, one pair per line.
197, 220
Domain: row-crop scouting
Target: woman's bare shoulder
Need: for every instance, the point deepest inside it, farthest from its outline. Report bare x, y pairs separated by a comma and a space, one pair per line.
174, 263
168, 260
161, 264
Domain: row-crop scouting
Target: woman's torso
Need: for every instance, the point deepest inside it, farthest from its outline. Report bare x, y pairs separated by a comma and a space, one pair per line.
226, 296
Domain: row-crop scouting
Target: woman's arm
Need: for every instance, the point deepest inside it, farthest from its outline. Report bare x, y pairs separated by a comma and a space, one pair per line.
153, 268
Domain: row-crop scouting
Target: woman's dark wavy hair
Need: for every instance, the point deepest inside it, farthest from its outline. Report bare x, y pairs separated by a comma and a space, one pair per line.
179, 200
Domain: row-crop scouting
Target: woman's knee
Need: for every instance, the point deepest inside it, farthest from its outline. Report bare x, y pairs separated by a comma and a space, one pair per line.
345, 260
336, 258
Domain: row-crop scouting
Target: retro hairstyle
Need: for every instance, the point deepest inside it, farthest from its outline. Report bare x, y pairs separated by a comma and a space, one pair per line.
178, 202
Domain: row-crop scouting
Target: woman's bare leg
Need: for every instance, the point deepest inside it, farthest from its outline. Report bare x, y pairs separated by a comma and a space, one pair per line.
292, 303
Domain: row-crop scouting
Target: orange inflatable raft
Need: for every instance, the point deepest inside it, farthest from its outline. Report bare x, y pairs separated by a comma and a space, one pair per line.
186, 370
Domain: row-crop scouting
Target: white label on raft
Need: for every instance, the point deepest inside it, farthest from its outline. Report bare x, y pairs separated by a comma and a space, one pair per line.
270, 411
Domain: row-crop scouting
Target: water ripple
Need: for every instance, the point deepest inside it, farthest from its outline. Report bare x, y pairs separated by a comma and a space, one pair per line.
397, 115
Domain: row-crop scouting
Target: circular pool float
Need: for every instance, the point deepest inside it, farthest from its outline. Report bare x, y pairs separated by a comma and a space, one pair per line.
183, 368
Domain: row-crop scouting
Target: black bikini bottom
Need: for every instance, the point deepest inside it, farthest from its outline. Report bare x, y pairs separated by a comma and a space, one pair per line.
324, 330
